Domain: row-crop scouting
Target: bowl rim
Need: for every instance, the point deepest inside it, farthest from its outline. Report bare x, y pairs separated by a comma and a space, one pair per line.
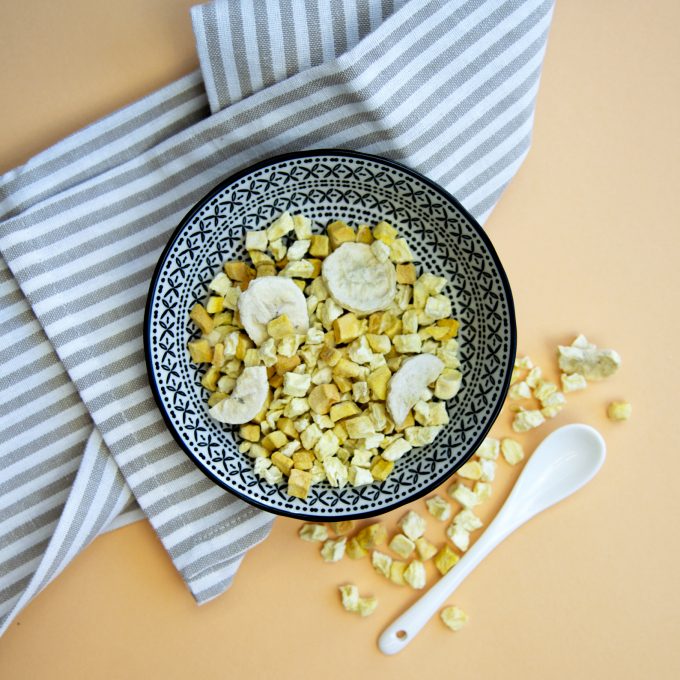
271, 160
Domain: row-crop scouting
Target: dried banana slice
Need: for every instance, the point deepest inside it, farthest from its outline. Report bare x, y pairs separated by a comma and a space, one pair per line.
247, 398
266, 299
407, 384
357, 280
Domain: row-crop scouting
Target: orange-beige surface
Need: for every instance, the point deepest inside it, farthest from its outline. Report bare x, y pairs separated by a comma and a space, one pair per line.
589, 232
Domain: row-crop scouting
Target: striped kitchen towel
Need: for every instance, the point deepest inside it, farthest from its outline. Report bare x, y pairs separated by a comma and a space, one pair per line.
447, 88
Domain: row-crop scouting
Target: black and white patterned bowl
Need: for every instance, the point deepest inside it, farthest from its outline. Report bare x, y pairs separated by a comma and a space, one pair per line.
358, 188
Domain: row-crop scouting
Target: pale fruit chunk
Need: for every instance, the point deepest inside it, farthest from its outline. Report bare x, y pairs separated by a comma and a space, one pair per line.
266, 299
247, 398
357, 280
408, 383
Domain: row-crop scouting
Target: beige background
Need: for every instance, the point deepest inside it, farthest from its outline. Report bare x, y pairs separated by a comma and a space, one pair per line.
588, 232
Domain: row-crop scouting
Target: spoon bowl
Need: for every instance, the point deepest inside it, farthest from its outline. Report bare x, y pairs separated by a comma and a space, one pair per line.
564, 461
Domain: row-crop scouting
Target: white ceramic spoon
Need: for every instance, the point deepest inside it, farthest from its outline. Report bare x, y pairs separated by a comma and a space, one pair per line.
563, 462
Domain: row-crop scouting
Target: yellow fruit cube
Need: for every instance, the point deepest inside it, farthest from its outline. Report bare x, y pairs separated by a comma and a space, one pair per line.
238, 271
451, 325
345, 409
408, 344
274, 440
322, 397
375, 323
243, 344
348, 369
265, 270
385, 232
339, 233
619, 410
381, 469
359, 427
201, 352
256, 240
285, 364
397, 570
201, 318
280, 327
216, 397
299, 482
340, 432
319, 247
425, 549
364, 234
330, 355
342, 383
377, 382
281, 226
372, 536
258, 258
343, 528
381, 344
210, 378
303, 460
406, 273
454, 618
302, 226
284, 463
250, 432
346, 328
354, 550
445, 559
402, 546
214, 305
400, 252
287, 426
300, 284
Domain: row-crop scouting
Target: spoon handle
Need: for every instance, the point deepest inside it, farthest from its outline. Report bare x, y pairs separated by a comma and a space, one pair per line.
396, 636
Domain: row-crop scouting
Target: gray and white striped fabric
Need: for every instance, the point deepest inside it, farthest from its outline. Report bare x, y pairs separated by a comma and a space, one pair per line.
448, 88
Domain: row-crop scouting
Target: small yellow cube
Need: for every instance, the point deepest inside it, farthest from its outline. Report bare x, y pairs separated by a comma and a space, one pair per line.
354, 549
280, 327
299, 482
619, 410
214, 305
330, 355
451, 325
409, 343
284, 463
342, 528
402, 545
372, 536
381, 344
344, 409
287, 426
454, 618
201, 318
265, 270
400, 252
274, 440
210, 378
339, 233
425, 549
250, 432
377, 382
445, 559
322, 397
381, 469
348, 369
397, 570
359, 427
406, 273
319, 247
200, 350
364, 234
346, 328
343, 384
238, 271
303, 460
385, 232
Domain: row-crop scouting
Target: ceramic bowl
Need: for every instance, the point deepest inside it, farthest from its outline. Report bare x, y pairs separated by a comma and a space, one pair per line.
326, 185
